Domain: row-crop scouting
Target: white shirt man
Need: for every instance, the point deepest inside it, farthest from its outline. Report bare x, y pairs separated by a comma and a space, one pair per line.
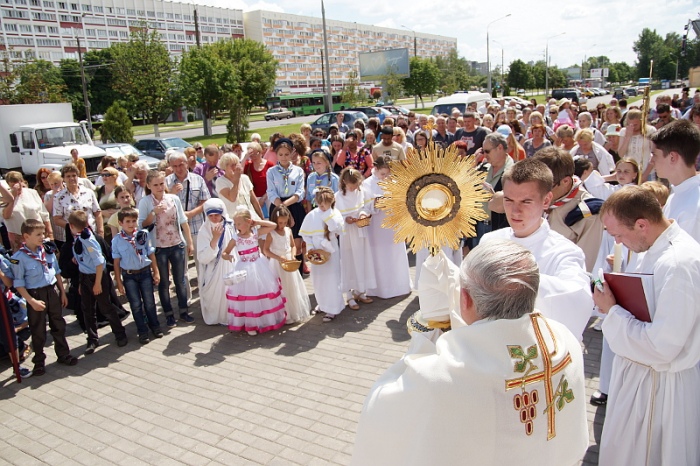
564, 294
653, 412
507, 388
676, 147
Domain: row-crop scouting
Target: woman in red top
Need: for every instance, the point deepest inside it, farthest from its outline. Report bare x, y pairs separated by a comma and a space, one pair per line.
256, 168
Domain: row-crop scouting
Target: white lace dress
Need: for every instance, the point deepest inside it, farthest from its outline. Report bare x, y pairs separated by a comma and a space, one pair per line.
293, 288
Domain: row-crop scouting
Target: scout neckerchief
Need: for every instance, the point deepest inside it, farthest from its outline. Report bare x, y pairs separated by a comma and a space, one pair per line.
572, 194
318, 183
41, 257
285, 175
132, 240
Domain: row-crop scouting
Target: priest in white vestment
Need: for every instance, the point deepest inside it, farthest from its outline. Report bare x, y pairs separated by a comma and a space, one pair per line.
508, 388
653, 413
565, 291
676, 148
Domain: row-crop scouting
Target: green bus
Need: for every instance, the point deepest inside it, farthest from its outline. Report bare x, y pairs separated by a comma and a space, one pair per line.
304, 104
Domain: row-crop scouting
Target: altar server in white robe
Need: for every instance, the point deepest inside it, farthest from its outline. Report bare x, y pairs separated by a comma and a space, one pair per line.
357, 265
390, 260
676, 148
508, 388
653, 413
214, 235
565, 290
320, 230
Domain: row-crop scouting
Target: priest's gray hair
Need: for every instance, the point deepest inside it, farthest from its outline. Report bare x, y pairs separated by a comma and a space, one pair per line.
502, 278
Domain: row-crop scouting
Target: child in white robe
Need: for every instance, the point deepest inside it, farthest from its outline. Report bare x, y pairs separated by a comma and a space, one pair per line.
279, 247
319, 230
357, 266
390, 260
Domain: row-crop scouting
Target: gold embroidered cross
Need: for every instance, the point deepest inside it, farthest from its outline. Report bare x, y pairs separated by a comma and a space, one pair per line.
544, 376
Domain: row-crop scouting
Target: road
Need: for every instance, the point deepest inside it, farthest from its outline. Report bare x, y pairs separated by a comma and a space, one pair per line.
221, 129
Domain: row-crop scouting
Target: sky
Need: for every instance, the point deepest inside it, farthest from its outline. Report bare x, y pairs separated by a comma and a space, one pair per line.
591, 27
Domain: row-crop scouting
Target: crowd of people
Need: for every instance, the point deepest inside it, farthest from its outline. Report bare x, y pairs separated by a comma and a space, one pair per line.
563, 180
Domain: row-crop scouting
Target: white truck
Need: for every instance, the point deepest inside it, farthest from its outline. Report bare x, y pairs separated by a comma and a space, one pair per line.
43, 135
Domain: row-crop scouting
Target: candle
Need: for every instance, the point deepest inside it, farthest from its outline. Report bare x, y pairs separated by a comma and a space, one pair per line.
617, 258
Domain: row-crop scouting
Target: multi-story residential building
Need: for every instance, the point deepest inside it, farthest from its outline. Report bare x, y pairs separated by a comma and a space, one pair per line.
297, 43
49, 29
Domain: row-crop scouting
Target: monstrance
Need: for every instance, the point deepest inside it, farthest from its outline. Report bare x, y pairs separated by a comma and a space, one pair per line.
433, 199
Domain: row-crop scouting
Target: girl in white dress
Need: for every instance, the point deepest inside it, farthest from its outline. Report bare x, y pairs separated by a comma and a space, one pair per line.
215, 234
390, 260
279, 247
319, 230
357, 267
255, 304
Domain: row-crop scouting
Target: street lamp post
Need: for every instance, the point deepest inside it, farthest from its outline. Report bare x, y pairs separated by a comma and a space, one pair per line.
583, 63
488, 58
415, 54
502, 64
546, 63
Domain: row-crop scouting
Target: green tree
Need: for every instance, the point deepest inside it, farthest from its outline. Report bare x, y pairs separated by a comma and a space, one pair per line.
117, 125
39, 82
142, 73
392, 85
207, 82
255, 70
351, 94
8, 76
520, 75
456, 73
424, 78
100, 76
649, 46
70, 71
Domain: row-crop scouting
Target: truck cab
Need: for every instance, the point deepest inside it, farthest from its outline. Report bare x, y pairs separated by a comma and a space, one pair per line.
49, 145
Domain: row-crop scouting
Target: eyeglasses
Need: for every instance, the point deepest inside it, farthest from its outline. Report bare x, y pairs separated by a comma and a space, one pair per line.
106, 175
44, 177
552, 113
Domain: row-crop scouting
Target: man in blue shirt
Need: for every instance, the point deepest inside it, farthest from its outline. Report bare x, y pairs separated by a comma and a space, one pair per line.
36, 274
95, 282
135, 272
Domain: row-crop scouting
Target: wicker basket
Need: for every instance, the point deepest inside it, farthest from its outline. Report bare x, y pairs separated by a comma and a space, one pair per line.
317, 256
364, 221
290, 265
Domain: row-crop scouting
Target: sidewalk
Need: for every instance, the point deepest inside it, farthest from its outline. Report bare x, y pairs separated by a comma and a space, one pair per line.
202, 395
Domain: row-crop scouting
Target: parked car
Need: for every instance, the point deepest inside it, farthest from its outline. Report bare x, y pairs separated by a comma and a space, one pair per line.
589, 93
631, 92
156, 147
118, 149
396, 110
618, 93
327, 119
570, 93
278, 114
372, 112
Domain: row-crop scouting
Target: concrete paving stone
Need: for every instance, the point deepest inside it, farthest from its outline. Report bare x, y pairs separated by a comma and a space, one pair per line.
255, 455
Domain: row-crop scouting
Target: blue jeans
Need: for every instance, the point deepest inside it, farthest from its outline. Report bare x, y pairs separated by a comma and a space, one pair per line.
139, 292
175, 255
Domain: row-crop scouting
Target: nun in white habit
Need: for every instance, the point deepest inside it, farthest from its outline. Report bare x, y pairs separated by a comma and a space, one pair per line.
216, 232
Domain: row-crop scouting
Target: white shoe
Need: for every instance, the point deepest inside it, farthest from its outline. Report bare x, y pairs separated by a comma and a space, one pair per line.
252, 333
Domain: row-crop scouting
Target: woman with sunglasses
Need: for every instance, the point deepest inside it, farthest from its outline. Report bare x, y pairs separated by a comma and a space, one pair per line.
106, 196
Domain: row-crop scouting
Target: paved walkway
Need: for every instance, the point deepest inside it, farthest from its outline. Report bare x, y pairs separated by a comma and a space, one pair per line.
202, 395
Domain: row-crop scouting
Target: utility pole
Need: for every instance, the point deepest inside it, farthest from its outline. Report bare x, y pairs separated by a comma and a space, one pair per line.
84, 82
196, 28
488, 56
329, 91
546, 64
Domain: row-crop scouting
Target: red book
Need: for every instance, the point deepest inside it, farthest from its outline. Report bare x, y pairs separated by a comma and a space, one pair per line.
632, 292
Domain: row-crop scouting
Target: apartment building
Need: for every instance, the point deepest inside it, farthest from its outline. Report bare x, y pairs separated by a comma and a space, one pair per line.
50, 29
297, 43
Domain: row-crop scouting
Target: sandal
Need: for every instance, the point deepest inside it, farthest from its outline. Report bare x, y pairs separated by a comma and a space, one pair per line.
315, 311
352, 304
363, 298
328, 317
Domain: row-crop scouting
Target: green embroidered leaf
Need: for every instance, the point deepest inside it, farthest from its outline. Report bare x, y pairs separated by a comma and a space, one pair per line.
516, 352
520, 366
532, 352
560, 403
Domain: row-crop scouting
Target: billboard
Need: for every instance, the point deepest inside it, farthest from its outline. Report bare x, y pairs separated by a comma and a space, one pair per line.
375, 65
600, 72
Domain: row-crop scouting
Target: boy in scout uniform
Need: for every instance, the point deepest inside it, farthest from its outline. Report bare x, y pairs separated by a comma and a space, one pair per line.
95, 282
36, 274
